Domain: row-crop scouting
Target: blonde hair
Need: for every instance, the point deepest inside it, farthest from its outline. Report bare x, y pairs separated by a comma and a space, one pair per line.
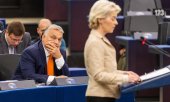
101, 9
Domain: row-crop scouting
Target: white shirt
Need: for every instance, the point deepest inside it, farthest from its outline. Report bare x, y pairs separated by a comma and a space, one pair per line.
59, 63
11, 49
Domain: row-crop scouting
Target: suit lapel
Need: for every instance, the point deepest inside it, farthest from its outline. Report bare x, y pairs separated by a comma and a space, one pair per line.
18, 49
21, 46
106, 41
4, 44
42, 55
95, 33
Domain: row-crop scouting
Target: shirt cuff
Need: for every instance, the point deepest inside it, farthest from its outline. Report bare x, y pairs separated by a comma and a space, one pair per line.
60, 62
50, 79
125, 79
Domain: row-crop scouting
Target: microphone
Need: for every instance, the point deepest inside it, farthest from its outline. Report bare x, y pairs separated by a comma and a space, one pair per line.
143, 40
146, 42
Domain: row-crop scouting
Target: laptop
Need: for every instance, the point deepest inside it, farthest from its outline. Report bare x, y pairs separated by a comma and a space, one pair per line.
8, 65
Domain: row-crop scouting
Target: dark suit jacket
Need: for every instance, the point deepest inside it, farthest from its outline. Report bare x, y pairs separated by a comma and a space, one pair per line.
33, 65
4, 46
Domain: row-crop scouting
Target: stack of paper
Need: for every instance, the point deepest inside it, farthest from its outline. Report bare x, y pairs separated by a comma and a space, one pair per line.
156, 73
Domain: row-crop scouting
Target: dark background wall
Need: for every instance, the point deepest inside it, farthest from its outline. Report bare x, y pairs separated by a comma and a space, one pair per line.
166, 6
56, 10
21, 8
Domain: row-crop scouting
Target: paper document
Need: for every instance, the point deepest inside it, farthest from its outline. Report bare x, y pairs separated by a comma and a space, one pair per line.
155, 73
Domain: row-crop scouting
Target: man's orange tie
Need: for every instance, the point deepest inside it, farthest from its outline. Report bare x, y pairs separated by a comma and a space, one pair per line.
50, 66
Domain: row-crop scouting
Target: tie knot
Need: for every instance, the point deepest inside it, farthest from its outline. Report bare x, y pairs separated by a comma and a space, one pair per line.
50, 56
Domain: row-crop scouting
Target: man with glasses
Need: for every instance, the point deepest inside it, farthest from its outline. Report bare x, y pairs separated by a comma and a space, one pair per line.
44, 60
14, 40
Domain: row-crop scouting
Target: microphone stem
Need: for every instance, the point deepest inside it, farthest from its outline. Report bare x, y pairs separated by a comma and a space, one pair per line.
158, 49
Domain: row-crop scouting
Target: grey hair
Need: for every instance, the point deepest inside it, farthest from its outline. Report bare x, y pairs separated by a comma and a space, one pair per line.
101, 9
55, 27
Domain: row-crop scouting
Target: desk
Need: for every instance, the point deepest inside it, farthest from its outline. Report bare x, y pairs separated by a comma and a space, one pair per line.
164, 60
45, 94
156, 82
29, 95
77, 72
72, 93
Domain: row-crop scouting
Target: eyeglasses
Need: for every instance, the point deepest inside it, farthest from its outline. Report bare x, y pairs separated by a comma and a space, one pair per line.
15, 39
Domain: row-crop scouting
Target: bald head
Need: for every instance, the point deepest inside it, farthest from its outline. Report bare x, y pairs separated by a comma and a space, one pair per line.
43, 25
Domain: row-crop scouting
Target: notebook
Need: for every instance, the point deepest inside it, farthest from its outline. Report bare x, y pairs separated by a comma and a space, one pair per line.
156, 73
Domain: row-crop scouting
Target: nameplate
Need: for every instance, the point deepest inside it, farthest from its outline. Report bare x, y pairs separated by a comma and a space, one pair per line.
70, 81
14, 84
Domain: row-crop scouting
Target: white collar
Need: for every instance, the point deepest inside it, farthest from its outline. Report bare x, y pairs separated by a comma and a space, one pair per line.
46, 52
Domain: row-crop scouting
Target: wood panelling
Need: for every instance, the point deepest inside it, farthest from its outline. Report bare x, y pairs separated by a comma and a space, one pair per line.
21, 8
79, 30
56, 10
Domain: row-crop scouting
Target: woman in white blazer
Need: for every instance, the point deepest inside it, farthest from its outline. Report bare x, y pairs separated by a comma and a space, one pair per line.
100, 55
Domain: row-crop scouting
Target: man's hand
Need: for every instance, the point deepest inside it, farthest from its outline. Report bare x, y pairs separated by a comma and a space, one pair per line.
53, 49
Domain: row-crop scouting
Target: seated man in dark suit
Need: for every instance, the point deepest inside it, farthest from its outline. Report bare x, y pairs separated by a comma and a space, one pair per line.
34, 62
14, 39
